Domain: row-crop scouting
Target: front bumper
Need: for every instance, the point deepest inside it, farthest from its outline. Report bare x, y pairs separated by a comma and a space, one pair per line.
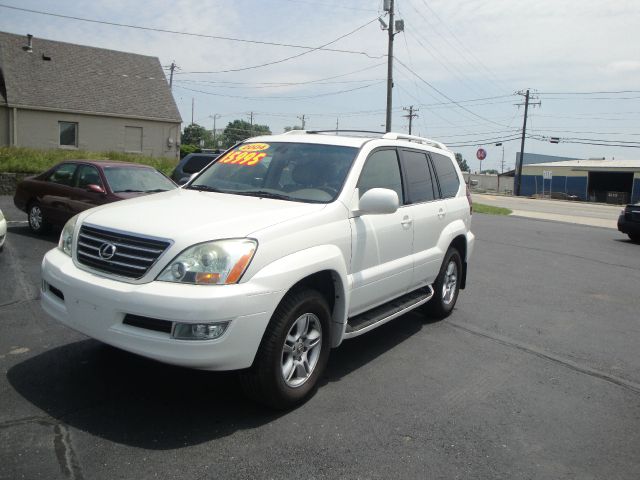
96, 306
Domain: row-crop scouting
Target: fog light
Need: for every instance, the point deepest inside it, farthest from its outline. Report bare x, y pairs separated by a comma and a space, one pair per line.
199, 331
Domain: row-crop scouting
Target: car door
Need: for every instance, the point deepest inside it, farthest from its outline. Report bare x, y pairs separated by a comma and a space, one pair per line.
382, 245
82, 198
55, 193
429, 214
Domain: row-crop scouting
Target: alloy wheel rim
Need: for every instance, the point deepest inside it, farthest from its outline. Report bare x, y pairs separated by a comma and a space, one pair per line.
301, 350
449, 283
35, 217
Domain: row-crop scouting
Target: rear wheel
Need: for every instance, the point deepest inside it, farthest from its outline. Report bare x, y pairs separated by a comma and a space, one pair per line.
446, 286
37, 223
293, 352
634, 237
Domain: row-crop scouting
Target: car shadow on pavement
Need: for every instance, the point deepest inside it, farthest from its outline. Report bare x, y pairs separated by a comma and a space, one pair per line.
130, 400
23, 230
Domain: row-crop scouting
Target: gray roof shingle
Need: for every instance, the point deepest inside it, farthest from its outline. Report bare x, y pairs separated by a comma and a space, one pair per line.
83, 79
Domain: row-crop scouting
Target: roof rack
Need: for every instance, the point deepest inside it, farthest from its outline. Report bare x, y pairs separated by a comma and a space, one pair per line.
386, 136
414, 138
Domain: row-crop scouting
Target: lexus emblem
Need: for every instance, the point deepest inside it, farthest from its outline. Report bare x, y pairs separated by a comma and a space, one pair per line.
107, 251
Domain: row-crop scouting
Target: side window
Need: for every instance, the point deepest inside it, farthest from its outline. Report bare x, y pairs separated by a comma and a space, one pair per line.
196, 163
420, 185
63, 174
87, 175
382, 171
447, 175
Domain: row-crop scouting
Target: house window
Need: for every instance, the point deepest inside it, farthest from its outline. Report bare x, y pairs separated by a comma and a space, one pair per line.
133, 139
68, 134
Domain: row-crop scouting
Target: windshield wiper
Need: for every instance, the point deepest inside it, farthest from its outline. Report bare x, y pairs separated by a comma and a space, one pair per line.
264, 194
156, 190
128, 190
204, 188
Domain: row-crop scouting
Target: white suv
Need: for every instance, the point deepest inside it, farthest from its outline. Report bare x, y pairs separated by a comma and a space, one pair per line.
274, 254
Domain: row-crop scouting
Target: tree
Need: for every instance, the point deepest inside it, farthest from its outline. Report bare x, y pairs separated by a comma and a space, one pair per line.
491, 171
462, 163
193, 135
295, 127
239, 130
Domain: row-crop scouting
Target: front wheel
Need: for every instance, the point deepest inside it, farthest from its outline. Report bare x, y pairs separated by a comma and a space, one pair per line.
446, 286
634, 237
293, 352
37, 223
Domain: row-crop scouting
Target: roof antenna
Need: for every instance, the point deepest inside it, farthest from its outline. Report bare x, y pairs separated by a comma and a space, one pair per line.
29, 46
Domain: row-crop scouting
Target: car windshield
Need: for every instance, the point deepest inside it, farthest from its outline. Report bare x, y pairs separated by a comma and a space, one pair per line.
136, 179
302, 172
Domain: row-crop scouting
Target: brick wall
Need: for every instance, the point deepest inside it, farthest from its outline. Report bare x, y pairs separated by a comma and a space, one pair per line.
8, 182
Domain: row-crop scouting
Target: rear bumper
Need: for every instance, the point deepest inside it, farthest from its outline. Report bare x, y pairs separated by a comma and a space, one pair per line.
628, 226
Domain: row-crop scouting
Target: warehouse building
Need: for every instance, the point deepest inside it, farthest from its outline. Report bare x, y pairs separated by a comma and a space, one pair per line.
605, 181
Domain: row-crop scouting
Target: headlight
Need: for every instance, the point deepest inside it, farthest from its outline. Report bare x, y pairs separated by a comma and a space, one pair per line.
66, 237
213, 263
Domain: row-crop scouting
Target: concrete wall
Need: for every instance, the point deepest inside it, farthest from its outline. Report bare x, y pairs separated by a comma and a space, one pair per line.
39, 129
488, 183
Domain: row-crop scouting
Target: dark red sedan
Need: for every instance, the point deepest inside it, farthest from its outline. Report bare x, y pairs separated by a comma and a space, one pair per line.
70, 187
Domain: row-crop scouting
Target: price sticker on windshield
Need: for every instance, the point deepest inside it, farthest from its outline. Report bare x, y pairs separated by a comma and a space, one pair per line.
247, 155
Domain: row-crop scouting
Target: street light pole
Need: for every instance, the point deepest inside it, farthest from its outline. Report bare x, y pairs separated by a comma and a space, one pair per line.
215, 116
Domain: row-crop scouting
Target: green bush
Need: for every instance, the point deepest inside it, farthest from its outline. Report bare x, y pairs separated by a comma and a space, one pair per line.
31, 160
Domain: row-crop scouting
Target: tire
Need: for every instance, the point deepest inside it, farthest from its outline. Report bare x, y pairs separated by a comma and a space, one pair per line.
293, 353
634, 237
37, 223
446, 287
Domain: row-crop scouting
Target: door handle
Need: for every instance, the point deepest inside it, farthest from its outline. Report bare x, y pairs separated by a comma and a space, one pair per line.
441, 213
406, 222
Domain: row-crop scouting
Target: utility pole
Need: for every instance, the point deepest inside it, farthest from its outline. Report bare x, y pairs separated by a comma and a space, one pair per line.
410, 115
215, 116
251, 122
172, 68
390, 68
524, 132
192, 107
499, 144
302, 119
337, 127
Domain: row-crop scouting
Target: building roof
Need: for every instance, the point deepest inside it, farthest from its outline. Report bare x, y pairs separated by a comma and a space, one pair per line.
537, 158
67, 77
592, 164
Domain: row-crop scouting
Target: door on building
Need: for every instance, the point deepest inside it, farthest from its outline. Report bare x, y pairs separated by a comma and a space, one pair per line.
610, 187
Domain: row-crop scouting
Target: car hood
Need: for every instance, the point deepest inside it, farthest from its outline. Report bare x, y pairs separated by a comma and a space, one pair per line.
196, 216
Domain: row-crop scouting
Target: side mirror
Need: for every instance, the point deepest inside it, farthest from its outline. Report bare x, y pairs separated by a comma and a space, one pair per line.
378, 201
95, 188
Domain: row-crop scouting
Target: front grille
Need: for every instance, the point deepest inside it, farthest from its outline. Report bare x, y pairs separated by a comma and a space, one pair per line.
133, 257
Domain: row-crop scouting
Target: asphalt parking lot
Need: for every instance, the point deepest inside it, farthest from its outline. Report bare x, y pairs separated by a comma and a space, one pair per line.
536, 375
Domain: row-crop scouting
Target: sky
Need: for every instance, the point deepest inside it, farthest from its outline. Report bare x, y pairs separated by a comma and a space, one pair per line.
462, 64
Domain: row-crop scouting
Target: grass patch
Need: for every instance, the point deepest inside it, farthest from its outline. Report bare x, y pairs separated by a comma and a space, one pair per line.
31, 160
488, 209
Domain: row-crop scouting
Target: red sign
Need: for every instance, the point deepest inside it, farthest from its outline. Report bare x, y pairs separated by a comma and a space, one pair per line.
481, 154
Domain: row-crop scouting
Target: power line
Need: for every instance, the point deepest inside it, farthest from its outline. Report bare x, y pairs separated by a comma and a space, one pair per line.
193, 34
301, 97
275, 62
447, 97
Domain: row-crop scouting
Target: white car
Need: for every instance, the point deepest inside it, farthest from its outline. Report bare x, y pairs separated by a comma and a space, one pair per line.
271, 256
3, 230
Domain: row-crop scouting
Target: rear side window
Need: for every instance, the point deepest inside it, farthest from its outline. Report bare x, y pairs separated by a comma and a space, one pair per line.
197, 163
447, 175
63, 174
420, 185
382, 171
